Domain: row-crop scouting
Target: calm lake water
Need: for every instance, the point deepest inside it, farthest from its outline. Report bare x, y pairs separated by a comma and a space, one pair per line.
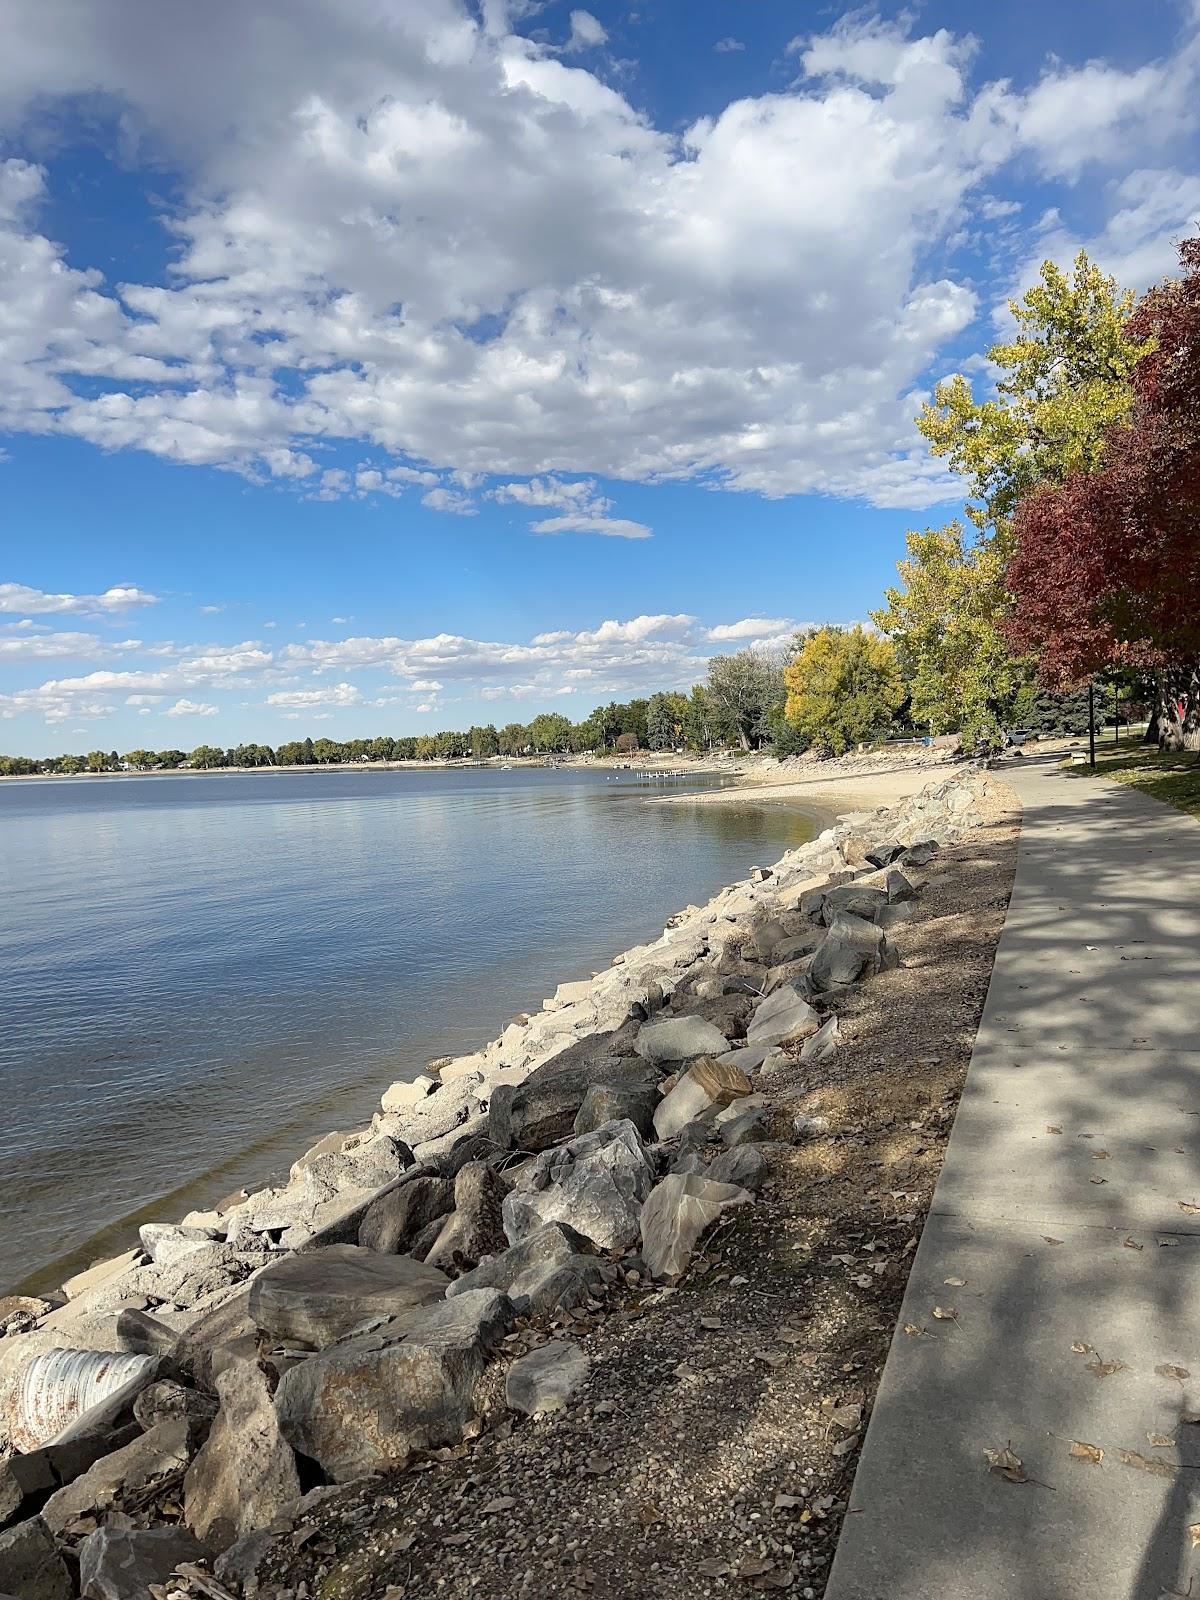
199, 976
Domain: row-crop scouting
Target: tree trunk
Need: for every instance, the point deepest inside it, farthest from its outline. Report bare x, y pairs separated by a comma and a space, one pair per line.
745, 742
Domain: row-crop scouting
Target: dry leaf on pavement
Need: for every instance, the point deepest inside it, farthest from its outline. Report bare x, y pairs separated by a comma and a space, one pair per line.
1087, 1452
1007, 1464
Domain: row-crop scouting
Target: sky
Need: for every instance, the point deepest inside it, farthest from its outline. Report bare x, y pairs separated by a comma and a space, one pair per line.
389, 367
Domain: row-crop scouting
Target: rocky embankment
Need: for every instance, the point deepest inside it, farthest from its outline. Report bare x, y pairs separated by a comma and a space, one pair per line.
175, 1413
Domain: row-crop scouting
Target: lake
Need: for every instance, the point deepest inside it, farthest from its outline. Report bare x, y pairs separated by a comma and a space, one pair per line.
201, 975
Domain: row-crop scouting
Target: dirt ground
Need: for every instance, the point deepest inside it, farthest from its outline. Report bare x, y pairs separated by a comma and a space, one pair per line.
711, 1451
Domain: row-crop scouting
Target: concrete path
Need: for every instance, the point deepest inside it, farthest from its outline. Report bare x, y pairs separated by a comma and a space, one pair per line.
1069, 1206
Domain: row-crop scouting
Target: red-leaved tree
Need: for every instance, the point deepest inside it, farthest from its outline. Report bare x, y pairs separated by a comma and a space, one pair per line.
1106, 569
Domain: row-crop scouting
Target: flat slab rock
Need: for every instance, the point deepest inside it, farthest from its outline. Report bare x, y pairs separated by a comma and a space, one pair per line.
30, 1565
122, 1563
679, 1039
552, 1269
328, 1294
545, 1379
706, 1084
678, 1212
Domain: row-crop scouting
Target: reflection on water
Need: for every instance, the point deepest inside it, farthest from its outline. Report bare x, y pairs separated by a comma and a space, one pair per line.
201, 974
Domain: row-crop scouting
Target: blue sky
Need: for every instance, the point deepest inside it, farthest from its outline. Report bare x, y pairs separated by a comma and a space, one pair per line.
403, 365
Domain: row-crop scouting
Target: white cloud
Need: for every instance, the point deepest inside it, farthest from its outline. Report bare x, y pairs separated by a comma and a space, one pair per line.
451, 500
19, 597
750, 628
190, 708
463, 250
587, 32
20, 644
611, 527
334, 694
211, 611
726, 46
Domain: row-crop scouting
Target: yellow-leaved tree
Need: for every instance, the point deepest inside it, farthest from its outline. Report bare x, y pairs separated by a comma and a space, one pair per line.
844, 687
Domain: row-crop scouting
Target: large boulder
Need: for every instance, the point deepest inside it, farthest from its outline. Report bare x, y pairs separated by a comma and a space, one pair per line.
546, 1378
822, 1044
858, 899
367, 1403
541, 1111
677, 1039
475, 1228
30, 1565
166, 1244
245, 1476
784, 1014
706, 1086
677, 1213
633, 1101
745, 1166
596, 1184
851, 949
328, 1294
122, 1563
551, 1269
919, 854
392, 1222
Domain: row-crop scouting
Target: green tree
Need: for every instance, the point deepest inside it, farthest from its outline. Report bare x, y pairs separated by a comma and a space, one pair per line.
550, 732
485, 742
514, 739
945, 620
844, 687
587, 735
1065, 380
425, 747
744, 688
206, 755
171, 758
140, 760
97, 761
665, 718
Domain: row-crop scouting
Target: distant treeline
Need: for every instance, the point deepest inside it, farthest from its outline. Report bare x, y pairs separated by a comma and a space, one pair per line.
831, 689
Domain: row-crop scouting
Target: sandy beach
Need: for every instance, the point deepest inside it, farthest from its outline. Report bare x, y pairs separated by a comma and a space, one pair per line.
829, 790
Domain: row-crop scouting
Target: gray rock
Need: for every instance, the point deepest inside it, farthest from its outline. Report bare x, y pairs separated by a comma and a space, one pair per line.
895, 916
920, 854
784, 1014
149, 1456
167, 1401
679, 1039
553, 1269
747, 1057
822, 1044
331, 1293
596, 1184
122, 1563
745, 1167
245, 1476
856, 899
634, 1102
884, 854
165, 1244
366, 1403
748, 1128
142, 1334
677, 1213
239, 1565
475, 1228
30, 1565
546, 1378
810, 1127
898, 887
850, 950
689, 1161
392, 1223
541, 1111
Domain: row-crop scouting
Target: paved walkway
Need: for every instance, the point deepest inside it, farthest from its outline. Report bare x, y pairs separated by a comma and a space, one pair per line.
1059, 1208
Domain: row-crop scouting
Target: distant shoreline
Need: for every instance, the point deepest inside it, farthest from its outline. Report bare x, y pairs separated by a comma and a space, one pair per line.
727, 766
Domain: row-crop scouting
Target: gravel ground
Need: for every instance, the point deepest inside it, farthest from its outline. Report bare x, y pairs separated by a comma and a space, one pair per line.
711, 1451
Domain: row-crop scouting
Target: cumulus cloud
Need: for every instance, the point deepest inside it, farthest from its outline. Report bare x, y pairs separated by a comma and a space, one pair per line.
191, 708
21, 644
20, 598
463, 251
335, 694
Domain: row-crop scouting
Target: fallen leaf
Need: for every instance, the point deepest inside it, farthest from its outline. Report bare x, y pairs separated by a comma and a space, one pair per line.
1162, 1441
1132, 1244
648, 1514
1101, 1155
1187, 1207
789, 1336
1168, 1371
844, 1446
954, 1283
1007, 1464
713, 1567
1151, 1464
405, 1541
1097, 1180
848, 1416
1050, 1129
1105, 1369
1082, 1349
945, 1314
863, 1281
1194, 1533
460, 1538
597, 1465
1049, 1240
915, 1331
788, 1502
1087, 1452
755, 1567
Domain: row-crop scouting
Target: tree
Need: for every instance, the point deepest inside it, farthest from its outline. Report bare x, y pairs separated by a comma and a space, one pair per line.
844, 687
514, 739
946, 620
1065, 383
140, 760
206, 755
627, 743
171, 758
97, 761
665, 717
485, 742
550, 732
1106, 569
587, 735
425, 747
744, 688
